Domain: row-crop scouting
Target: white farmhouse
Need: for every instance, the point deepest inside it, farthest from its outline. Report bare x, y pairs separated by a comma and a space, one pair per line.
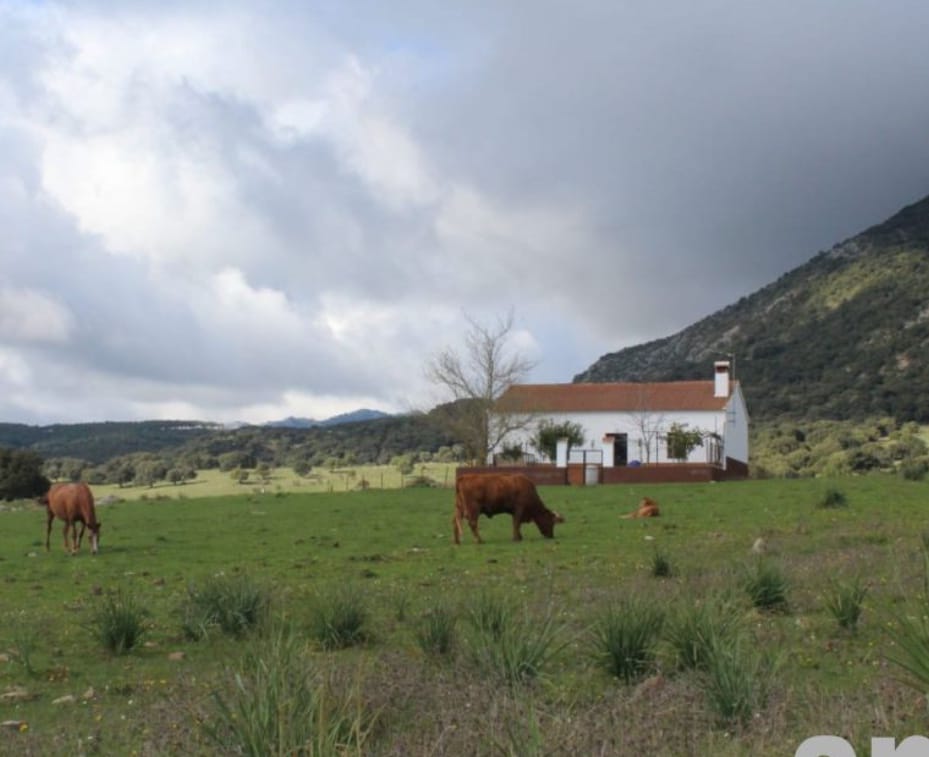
626, 424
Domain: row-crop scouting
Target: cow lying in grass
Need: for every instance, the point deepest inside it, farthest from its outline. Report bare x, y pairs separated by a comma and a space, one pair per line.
489, 494
647, 508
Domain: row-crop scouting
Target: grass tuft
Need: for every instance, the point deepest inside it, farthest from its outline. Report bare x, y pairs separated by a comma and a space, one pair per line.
277, 703
341, 619
490, 615
737, 681
517, 651
844, 600
436, 633
766, 586
626, 638
695, 630
233, 604
118, 622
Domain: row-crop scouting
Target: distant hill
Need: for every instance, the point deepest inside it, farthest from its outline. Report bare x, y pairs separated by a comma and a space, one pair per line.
844, 336
364, 436
101, 441
354, 417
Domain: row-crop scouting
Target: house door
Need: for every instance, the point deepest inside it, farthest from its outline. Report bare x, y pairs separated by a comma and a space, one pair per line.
620, 449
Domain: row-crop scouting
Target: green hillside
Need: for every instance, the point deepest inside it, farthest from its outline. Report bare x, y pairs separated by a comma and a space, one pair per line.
202, 445
843, 336
98, 442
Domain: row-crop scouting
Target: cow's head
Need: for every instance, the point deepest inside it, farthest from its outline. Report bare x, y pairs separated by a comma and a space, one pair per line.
546, 522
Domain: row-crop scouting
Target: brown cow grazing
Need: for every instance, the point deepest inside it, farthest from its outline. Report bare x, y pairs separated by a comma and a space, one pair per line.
490, 494
72, 503
647, 508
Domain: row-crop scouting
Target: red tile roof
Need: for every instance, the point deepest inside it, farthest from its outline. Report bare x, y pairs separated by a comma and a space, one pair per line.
613, 397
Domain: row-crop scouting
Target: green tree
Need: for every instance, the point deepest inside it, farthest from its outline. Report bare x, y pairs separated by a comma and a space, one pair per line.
149, 472
21, 474
548, 433
403, 463
682, 441
181, 473
302, 467
120, 470
95, 476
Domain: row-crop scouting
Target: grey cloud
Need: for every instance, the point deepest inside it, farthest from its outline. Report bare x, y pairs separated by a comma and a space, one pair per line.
613, 171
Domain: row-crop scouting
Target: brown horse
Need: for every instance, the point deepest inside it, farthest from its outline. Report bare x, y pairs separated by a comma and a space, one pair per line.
72, 503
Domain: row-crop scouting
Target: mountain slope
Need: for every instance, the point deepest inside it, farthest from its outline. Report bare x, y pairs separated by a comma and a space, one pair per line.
843, 336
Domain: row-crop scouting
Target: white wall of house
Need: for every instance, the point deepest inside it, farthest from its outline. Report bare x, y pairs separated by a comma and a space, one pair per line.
731, 425
737, 427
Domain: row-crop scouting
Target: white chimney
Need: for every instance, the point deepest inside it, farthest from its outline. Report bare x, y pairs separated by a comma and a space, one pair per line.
721, 386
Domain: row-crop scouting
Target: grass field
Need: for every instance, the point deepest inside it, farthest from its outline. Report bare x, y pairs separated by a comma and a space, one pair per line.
391, 550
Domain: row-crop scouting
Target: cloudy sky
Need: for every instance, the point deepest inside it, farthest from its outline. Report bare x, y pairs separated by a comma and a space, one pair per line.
241, 211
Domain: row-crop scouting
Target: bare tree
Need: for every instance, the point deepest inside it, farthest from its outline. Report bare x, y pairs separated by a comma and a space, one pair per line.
476, 379
648, 423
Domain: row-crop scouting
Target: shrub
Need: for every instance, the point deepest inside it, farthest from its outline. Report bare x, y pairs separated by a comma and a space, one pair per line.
24, 644
118, 622
626, 638
833, 498
766, 586
420, 482
341, 619
511, 453
911, 650
914, 470
661, 565
844, 601
276, 703
234, 604
548, 433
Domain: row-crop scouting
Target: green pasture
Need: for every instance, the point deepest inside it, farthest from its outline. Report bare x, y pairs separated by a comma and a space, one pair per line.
393, 547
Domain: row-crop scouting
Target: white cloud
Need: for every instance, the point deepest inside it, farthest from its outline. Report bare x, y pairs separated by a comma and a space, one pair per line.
30, 316
15, 374
233, 213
